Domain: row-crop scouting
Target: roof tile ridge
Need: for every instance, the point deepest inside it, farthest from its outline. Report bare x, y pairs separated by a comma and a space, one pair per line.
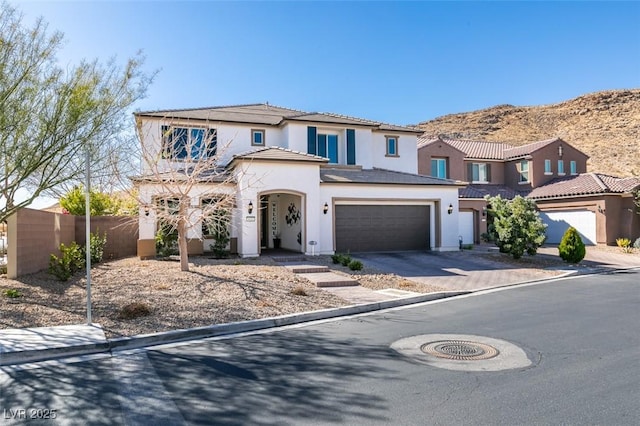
156, 111
599, 181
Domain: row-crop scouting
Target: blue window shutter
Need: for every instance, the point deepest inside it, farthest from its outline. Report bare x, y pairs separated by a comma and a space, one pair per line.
351, 146
212, 143
322, 145
311, 140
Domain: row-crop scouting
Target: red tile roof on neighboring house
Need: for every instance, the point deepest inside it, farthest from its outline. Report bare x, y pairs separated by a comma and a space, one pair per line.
585, 184
483, 150
472, 149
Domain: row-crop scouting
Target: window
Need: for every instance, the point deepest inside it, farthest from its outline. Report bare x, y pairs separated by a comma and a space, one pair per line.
216, 215
257, 137
480, 172
524, 171
439, 168
573, 167
547, 167
328, 147
392, 146
560, 167
187, 143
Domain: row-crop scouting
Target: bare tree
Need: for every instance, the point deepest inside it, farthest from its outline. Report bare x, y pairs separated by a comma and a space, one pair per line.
184, 185
49, 117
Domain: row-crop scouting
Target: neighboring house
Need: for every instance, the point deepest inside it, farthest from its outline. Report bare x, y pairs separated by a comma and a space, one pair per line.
537, 170
321, 183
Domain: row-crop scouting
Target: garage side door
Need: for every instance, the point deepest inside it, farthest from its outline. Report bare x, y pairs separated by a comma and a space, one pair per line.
559, 221
361, 228
465, 227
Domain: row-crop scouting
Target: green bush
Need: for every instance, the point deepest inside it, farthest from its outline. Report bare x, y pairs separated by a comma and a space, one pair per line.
12, 293
355, 265
346, 260
336, 258
166, 241
71, 260
96, 248
571, 247
515, 226
221, 240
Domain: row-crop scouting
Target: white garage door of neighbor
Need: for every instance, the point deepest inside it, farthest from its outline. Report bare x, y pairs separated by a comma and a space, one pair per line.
559, 221
465, 227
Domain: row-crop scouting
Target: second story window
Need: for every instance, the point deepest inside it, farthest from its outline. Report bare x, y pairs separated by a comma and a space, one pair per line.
480, 173
573, 167
560, 167
328, 147
439, 168
547, 167
257, 137
392, 146
524, 171
187, 143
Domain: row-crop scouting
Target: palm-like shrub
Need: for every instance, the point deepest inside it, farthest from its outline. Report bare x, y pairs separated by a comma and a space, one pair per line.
571, 247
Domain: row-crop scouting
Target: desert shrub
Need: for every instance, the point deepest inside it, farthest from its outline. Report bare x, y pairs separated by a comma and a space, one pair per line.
355, 265
71, 260
12, 293
96, 248
571, 247
221, 240
636, 244
134, 310
299, 291
166, 241
346, 260
623, 242
515, 226
336, 258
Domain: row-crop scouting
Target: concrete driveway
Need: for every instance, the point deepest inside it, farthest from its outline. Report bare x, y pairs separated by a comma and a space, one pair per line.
466, 270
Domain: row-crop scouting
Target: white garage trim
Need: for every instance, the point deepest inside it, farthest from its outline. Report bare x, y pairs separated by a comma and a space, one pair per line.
558, 221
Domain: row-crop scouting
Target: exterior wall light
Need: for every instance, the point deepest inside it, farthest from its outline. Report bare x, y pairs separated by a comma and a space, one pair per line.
450, 209
146, 210
325, 209
250, 209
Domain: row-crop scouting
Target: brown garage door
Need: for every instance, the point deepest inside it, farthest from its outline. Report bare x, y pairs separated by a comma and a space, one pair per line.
381, 228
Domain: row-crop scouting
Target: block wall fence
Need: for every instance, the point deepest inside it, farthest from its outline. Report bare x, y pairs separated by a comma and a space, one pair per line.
33, 235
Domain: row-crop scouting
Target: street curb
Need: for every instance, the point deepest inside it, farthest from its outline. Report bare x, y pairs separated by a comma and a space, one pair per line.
175, 336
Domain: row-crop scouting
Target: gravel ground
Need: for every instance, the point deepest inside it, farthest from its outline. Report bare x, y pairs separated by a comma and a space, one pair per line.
214, 292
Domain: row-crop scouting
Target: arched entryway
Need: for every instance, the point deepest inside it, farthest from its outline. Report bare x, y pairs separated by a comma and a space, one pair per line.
281, 221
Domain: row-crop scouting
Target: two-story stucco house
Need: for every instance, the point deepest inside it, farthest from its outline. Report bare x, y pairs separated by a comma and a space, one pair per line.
552, 172
318, 182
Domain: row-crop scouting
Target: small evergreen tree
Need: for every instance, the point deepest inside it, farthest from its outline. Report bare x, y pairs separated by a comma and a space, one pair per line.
571, 247
516, 226
100, 204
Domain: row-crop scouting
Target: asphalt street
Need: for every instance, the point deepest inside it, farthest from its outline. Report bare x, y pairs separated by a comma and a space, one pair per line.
580, 336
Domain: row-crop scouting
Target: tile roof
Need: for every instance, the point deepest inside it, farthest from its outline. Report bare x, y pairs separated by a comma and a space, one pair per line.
482, 190
218, 175
524, 150
472, 149
489, 150
276, 153
379, 176
585, 184
266, 114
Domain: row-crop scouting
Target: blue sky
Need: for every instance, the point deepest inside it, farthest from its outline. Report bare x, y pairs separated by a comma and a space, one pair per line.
398, 62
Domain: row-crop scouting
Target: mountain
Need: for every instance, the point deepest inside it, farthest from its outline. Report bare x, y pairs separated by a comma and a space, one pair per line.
605, 125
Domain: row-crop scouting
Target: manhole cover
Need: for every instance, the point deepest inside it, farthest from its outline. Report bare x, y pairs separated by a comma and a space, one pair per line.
460, 350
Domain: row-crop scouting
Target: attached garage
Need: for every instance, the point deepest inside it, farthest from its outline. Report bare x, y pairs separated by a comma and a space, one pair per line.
558, 221
360, 228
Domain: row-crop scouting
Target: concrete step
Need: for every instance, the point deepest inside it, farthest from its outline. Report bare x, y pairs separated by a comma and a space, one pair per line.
306, 269
289, 258
329, 279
